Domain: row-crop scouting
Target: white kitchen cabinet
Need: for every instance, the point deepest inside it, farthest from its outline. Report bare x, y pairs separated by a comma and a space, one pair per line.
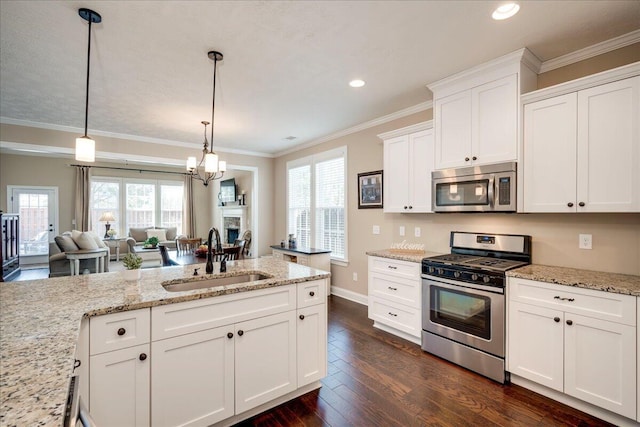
638, 361
265, 359
395, 297
582, 149
311, 344
408, 162
577, 341
477, 126
193, 378
119, 383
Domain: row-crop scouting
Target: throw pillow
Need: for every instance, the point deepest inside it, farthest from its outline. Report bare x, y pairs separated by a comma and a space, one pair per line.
97, 239
85, 241
171, 232
138, 233
66, 243
160, 234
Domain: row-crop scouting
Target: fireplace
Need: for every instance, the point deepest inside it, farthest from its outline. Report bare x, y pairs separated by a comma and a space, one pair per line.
232, 220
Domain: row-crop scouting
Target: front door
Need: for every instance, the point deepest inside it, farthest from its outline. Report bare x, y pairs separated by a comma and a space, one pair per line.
38, 209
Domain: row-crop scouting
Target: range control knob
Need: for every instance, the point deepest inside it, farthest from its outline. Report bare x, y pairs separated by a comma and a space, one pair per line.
440, 271
456, 274
431, 269
474, 277
486, 279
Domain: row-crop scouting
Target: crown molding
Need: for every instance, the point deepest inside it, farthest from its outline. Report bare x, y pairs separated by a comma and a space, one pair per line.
591, 51
366, 125
407, 130
71, 129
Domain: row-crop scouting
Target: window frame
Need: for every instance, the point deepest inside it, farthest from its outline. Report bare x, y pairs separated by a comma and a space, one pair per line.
311, 161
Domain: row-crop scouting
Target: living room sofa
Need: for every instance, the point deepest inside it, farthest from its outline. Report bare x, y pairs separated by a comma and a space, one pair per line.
59, 264
138, 235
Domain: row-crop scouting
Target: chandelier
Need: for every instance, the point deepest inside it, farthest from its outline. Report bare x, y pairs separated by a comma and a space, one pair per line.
213, 169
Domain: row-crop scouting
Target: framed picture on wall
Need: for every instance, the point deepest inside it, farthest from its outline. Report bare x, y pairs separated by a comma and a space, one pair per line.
370, 190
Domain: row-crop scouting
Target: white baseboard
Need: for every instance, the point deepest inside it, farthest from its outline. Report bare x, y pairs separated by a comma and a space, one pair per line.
350, 295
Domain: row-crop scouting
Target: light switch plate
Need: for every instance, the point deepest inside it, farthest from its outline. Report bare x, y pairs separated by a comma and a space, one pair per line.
417, 232
355, 277
376, 229
585, 241
402, 230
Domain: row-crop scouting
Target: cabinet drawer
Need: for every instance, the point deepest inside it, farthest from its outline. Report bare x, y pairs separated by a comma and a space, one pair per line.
311, 293
119, 330
192, 316
391, 288
597, 304
410, 270
398, 316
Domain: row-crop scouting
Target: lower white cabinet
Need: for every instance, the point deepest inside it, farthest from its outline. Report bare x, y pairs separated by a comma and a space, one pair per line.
563, 338
311, 340
119, 387
395, 297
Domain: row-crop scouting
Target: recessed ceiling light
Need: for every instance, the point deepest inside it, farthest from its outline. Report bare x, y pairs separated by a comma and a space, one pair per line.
505, 11
356, 83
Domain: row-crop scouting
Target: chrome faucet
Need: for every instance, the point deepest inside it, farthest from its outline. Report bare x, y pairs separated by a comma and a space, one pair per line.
209, 267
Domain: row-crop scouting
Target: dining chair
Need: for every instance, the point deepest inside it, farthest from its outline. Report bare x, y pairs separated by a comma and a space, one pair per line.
240, 243
166, 261
186, 245
231, 254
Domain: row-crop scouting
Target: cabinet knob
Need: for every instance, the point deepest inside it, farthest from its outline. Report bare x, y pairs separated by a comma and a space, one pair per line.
312, 293
230, 335
581, 204
122, 331
410, 207
556, 319
570, 204
302, 317
405, 207
569, 322
240, 332
474, 158
466, 159
143, 357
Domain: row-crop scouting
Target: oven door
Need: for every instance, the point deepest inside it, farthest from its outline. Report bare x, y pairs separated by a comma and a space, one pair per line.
473, 315
463, 194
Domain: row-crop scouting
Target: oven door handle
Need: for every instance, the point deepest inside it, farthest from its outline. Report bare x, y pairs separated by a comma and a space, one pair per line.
446, 283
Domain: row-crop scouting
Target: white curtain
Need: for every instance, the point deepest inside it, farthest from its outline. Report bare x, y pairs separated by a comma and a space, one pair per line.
188, 219
83, 187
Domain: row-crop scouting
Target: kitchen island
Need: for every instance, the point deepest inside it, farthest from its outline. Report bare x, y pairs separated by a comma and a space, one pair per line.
40, 323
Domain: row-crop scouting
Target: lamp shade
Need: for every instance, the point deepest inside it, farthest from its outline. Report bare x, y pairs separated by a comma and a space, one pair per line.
85, 149
211, 163
107, 216
191, 163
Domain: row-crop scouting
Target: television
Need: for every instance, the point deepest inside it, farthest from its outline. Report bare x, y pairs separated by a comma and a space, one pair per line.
227, 191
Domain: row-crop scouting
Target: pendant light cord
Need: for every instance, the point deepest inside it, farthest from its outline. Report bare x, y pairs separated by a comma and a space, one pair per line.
213, 102
86, 103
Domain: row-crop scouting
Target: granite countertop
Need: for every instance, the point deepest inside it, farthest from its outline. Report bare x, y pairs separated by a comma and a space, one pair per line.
301, 250
40, 324
596, 280
386, 253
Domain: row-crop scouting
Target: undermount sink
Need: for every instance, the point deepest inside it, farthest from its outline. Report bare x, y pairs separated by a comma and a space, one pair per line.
216, 281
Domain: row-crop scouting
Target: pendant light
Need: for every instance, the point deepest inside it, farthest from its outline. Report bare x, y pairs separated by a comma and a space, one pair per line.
85, 146
213, 169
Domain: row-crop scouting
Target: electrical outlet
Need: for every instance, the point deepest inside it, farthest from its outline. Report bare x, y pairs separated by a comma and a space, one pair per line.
417, 232
355, 277
402, 230
585, 241
376, 229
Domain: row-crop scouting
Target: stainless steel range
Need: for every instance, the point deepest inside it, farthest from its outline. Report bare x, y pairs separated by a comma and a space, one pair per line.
463, 299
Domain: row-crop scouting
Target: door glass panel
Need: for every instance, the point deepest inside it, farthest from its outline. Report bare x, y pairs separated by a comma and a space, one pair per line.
468, 193
461, 310
36, 220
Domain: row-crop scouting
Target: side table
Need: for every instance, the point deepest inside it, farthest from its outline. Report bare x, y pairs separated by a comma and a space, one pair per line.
115, 243
74, 258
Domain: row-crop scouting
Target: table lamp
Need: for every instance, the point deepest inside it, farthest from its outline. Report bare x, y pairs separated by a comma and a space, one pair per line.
107, 216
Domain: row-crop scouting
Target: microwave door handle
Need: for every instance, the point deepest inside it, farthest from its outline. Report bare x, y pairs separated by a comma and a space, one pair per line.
490, 191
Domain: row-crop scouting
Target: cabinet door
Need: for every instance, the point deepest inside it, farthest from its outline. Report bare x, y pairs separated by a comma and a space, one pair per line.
453, 130
609, 147
312, 344
600, 363
550, 155
193, 378
638, 358
119, 387
396, 175
536, 344
420, 161
494, 121
265, 358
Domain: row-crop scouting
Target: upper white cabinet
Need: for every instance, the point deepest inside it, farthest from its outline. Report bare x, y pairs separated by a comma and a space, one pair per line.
582, 148
408, 162
476, 112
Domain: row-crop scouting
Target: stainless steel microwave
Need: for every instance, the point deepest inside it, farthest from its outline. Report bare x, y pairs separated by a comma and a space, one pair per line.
486, 188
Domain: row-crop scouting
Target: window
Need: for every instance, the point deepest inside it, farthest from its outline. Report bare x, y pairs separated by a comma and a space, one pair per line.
316, 200
136, 203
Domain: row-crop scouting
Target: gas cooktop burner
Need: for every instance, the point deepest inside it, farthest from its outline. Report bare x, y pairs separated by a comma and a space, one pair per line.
488, 263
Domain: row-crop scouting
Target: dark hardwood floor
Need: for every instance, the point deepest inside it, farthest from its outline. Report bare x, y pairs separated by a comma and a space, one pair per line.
377, 379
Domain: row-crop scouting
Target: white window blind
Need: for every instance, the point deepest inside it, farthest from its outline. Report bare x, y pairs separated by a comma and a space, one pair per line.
316, 200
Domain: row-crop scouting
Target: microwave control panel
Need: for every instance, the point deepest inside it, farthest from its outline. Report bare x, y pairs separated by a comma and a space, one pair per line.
504, 190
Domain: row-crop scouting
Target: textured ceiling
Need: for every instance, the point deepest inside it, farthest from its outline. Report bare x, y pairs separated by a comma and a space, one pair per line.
286, 65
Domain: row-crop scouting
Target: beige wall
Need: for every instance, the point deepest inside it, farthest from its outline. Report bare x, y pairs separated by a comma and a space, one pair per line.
616, 237
33, 170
